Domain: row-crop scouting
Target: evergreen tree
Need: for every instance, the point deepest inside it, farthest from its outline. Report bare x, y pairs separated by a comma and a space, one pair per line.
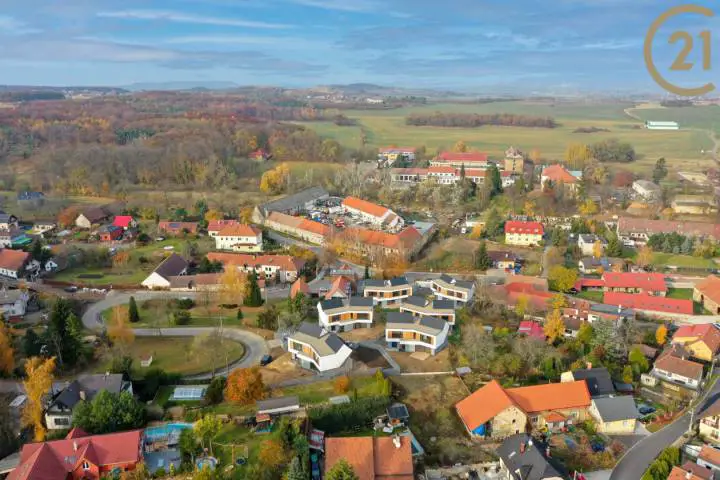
61, 340
239, 314
660, 171
133, 314
482, 259
614, 249
367, 271
253, 297
31, 343
687, 246
462, 172
495, 180
295, 471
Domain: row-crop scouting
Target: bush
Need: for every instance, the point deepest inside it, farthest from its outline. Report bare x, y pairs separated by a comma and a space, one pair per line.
184, 303
181, 317
333, 419
215, 391
154, 378
229, 306
341, 384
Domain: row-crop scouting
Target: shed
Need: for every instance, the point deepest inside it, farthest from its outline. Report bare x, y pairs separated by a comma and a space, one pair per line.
278, 406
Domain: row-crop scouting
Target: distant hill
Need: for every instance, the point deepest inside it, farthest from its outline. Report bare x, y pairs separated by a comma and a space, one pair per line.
197, 86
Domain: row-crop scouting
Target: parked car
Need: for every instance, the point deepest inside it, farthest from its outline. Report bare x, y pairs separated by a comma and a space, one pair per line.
646, 410
265, 360
71, 289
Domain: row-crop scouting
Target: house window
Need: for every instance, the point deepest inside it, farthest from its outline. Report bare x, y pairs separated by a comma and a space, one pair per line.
64, 421
86, 466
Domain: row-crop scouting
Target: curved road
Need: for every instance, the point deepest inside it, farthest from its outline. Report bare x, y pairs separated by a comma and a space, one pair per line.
255, 345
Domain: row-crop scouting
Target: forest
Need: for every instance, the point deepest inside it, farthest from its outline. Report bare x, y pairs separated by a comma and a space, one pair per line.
164, 139
472, 120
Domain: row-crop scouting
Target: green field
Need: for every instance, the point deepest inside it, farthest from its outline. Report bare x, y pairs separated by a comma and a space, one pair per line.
387, 127
682, 261
173, 355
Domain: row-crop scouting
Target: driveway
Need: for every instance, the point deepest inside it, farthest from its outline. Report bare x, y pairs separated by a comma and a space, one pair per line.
636, 460
255, 345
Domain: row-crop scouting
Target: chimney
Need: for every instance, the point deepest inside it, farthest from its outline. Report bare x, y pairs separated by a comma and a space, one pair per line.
396, 441
588, 365
522, 447
75, 446
82, 395
547, 451
688, 475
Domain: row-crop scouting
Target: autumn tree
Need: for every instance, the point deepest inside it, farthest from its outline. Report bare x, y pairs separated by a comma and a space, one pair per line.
460, 147
39, 377
66, 218
244, 386
588, 207
275, 181
233, 285
7, 352
119, 333
521, 305
561, 278
598, 249
644, 256
661, 335
121, 259
342, 470
535, 156
213, 214
577, 154
529, 208
341, 384
206, 429
272, 454
554, 327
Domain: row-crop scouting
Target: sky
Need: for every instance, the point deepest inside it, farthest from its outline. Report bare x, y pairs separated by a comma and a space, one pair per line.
464, 45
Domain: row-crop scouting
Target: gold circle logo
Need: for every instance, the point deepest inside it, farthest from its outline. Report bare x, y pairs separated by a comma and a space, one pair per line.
680, 63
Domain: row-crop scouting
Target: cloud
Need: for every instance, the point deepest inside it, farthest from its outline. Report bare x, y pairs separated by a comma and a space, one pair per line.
341, 5
12, 26
180, 17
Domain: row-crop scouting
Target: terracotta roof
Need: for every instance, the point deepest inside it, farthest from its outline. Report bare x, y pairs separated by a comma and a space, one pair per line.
55, 459
531, 329
551, 396
483, 404
641, 301
589, 283
707, 333
558, 173
314, 227
286, 262
239, 230
646, 281
450, 170
710, 288
465, 157
364, 206
217, 225
13, 260
403, 240
685, 368
710, 455
300, 286
697, 471
123, 221
554, 417
515, 226
649, 227
342, 285
678, 473
371, 458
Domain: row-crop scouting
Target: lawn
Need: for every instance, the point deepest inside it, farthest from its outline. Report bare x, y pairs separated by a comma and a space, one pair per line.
387, 127
320, 392
682, 261
680, 293
174, 355
157, 313
592, 295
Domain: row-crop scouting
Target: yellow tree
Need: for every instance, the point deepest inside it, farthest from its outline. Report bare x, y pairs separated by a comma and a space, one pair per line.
246, 214
576, 155
233, 285
119, 333
558, 301
645, 256
460, 147
7, 353
39, 377
661, 335
588, 207
535, 156
521, 305
554, 327
213, 214
598, 249
529, 208
563, 279
274, 181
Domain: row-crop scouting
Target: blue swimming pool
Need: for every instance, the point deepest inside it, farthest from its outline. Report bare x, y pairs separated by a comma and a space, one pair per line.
169, 432
209, 462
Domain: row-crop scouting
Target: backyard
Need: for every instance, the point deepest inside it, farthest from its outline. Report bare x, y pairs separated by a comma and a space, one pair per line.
183, 355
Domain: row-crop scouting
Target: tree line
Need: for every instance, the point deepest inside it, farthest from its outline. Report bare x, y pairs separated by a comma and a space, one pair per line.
473, 120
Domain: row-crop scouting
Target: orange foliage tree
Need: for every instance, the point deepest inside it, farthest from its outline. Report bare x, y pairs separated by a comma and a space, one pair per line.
213, 214
341, 384
37, 385
67, 217
272, 454
244, 386
7, 353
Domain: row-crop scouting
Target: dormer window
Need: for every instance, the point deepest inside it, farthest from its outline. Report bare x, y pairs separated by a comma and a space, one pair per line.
86, 465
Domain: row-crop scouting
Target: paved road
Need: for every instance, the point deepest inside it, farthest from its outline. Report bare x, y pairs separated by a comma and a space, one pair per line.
638, 458
255, 346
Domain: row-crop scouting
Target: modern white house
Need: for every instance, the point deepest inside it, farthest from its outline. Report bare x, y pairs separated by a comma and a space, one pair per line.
420, 307
314, 348
406, 333
448, 288
387, 293
342, 315
59, 412
586, 243
650, 125
172, 266
239, 238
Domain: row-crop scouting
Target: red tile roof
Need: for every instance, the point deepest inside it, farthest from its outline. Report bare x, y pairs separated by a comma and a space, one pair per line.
439, 170
123, 221
56, 459
678, 473
516, 226
314, 227
403, 240
710, 288
13, 260
589, 283
649, 227
372, 458
706, 333
710, 455
239, 230
531, 329
465, 157
217, 225
484, 404
646, 281
641, 301
300, 286
558, 174
286, 262
365, 206
680, 366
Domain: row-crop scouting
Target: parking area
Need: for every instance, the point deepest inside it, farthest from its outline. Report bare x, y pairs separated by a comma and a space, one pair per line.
329, 211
